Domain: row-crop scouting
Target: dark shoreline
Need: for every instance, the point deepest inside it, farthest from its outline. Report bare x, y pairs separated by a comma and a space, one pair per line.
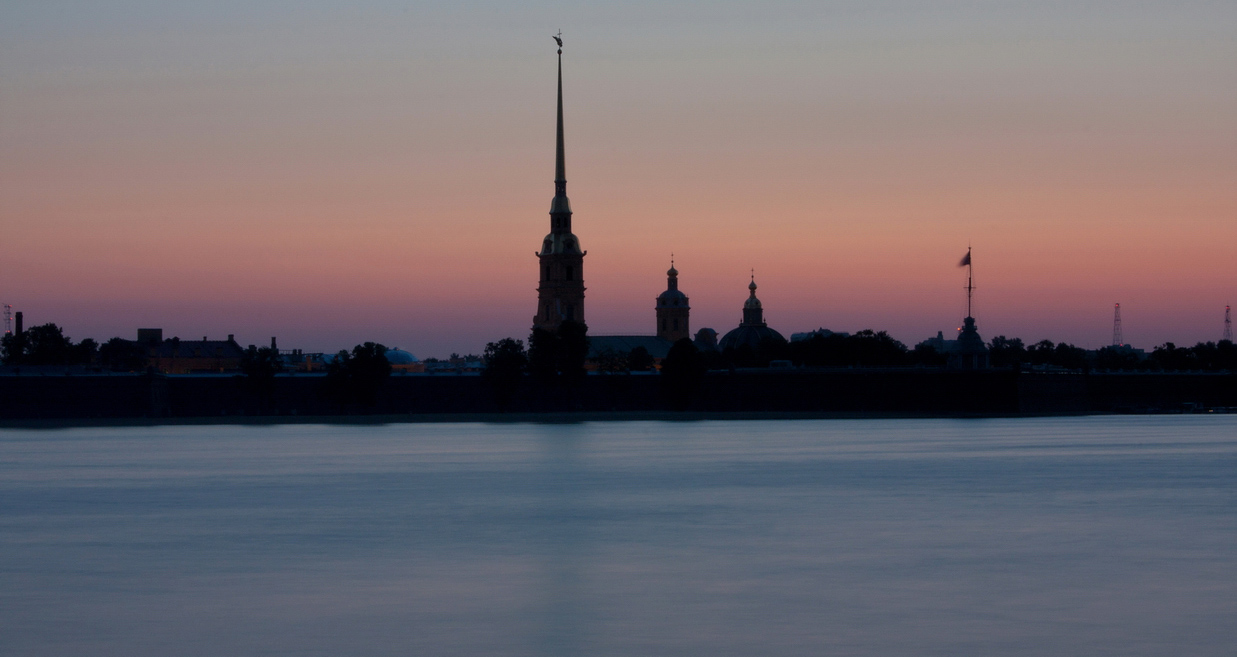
155, 400
570, 417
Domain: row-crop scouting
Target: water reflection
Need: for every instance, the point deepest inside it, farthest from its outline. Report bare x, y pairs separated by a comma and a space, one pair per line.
1035, 536
564, 539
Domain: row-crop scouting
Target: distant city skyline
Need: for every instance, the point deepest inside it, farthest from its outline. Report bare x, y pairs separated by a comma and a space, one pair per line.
331, 175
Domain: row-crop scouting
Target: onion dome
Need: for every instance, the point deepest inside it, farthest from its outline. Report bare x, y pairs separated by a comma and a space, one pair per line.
672, 297
752, 302
753, 330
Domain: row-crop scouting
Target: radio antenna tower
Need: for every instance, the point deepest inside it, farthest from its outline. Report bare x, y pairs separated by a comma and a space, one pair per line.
8, 319
1117, 340
1228, 322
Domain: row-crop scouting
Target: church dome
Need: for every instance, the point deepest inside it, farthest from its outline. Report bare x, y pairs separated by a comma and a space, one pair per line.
749, 335
671, 298
752, 331
752, 301
400, 357
561, 243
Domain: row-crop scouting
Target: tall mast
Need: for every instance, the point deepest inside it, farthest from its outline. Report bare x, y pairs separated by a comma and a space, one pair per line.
969, 287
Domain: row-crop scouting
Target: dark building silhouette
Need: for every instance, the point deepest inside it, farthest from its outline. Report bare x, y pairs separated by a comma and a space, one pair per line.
176, 356
672, 316
672, 309
560, 296
601, 345
753, 330
970, 353
706, 340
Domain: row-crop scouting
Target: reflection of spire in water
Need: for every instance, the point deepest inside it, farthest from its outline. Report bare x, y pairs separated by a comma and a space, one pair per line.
563, 531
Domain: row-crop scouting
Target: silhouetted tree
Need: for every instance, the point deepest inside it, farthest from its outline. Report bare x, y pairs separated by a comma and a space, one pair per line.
741, 356
573, 350
543, 355
1006, 352
13, 347
558, 355
260, 365
610, 361
1116, 358
1070, 357
357, 376
84, 352
820, 351
120, 355
46, 345
926, 356
505, 362
1042, 352
771, 349
639, 360
866, 348
682, 373
877, 349
1212, 356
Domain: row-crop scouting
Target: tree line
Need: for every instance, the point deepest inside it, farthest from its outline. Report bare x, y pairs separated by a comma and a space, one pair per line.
1204, 356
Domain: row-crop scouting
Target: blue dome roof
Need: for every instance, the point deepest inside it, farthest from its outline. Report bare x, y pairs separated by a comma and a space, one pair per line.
400, 357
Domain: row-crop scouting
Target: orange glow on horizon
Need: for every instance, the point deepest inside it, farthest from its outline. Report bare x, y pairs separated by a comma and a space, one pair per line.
406, 189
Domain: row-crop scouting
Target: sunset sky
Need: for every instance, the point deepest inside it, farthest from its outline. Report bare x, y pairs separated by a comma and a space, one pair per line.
332, 173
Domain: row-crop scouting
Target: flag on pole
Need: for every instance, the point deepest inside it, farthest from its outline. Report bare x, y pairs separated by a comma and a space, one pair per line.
966, 260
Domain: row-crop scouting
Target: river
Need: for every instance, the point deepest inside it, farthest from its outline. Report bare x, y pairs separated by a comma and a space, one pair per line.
1033, 536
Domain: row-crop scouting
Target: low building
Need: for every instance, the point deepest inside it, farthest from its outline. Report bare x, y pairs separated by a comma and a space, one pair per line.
967, 352
176, 356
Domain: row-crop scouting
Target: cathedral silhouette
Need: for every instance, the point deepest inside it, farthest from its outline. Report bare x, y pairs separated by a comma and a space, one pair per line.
560, 294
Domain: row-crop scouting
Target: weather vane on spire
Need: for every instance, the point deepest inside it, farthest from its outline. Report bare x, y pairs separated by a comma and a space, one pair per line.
558, 38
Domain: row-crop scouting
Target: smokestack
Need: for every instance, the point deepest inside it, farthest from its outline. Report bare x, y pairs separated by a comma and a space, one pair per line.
19, 322
231, 337
273, 348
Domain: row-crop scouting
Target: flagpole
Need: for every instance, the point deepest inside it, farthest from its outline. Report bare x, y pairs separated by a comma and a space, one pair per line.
969, 286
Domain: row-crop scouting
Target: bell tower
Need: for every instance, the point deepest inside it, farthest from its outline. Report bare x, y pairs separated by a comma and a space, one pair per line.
560, 296
672, 309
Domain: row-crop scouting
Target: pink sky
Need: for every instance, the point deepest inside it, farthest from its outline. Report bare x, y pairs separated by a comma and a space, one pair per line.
379, 174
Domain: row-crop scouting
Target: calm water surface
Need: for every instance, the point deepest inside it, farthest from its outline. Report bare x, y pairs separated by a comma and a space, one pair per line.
1061, 536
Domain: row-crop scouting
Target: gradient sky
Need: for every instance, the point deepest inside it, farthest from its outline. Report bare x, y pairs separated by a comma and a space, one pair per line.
331, 173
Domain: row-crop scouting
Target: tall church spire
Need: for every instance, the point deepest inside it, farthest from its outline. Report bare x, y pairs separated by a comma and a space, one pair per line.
560, 296
560, 166
560, 208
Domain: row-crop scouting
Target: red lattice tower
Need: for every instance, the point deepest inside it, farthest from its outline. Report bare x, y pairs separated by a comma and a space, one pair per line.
1117, 340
